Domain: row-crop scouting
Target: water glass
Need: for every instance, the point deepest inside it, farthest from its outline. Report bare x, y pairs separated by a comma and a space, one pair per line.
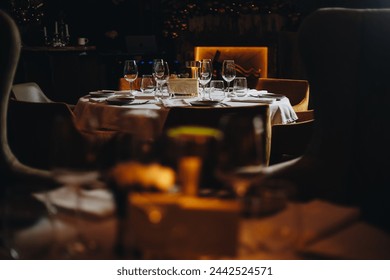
148, 84
164, 93
240, 86
217, 90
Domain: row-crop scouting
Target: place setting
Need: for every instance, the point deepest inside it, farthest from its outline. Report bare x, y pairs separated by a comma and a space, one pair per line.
118, 98
216, 94
101, 93
241, 93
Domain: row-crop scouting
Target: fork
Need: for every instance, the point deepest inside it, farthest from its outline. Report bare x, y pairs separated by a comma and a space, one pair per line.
140, 103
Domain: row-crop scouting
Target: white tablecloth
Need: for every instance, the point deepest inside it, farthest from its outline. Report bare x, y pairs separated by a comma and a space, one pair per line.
108, 116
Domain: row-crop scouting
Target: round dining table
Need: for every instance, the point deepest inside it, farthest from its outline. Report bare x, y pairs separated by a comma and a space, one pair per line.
106, 116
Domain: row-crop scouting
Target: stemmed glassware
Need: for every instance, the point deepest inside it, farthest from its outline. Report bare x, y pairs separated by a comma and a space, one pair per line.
240, 155
228, 72
130, 72
73, 160
161, 75
205, 74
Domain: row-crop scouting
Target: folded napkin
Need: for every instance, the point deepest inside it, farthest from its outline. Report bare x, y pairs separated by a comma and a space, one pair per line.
175, 103
264, 93
97, 99
255, 92
95, 203
249, 99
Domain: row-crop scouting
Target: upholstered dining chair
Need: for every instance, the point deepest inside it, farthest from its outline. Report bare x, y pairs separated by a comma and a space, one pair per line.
30, 129
30, 92
347, 158
297, 91
24, 126
10, 166
290, 140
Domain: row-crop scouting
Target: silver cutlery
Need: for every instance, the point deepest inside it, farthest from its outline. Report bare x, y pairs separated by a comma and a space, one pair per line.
140, 103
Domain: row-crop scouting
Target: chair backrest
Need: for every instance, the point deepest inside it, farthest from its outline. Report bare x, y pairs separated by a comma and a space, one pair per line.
251, 62
347, 68
9, 57
30, 92
297, 91
211, 117
291, 140
30, 130
305, 115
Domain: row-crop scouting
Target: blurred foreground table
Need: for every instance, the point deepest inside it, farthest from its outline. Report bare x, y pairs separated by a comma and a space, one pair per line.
325, 231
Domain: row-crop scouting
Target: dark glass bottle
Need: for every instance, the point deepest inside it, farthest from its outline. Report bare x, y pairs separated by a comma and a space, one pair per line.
217, 66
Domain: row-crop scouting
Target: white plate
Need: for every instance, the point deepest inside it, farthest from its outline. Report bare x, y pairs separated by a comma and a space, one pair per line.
101, 93
120, 99
205, 102
266, 94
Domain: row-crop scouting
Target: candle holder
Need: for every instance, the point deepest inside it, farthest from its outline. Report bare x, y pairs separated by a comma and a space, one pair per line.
57, 40
60, 38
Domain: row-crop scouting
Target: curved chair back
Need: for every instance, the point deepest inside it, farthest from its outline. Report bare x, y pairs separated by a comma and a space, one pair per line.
291, 140
10, 166
30, 92
30, 130
297, 91
347, 68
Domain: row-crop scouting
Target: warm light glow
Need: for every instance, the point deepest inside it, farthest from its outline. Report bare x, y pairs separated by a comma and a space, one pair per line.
189, 172
125, 85
194, 72
250, 61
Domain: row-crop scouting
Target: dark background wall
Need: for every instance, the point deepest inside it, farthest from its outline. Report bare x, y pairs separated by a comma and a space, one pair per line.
178, 26
165, 19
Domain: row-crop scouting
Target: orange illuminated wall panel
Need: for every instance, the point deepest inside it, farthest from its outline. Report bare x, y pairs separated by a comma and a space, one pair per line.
251, 62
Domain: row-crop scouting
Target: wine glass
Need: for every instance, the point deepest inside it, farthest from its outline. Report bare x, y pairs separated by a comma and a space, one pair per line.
73, 163
240, 86
228, 72
205, 73
240, 152
130, 72
148, 84
161, 75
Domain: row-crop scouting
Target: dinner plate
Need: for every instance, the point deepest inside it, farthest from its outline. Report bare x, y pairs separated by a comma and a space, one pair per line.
101, 93
120, 100
204, 102
268, 94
